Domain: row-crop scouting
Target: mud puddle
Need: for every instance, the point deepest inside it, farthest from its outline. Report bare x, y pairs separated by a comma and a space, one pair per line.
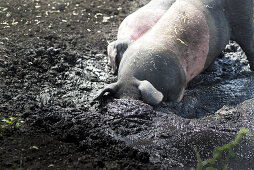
53, 62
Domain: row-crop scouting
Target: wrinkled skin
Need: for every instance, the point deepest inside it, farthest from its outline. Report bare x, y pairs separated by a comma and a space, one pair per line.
184, 42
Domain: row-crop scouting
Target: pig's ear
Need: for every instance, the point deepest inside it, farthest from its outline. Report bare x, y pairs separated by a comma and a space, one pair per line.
111, 88
149, 93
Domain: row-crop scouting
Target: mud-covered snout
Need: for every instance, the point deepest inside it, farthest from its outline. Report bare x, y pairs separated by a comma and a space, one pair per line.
142, 90
111, 88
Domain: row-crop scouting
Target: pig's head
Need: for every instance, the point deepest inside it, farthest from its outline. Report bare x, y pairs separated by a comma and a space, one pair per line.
139, 90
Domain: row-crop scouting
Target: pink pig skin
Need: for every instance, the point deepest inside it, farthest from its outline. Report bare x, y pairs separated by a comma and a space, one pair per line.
185, 41
135, 26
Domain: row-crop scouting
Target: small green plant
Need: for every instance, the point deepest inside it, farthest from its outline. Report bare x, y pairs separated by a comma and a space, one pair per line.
18, 167
218, 153
10, 124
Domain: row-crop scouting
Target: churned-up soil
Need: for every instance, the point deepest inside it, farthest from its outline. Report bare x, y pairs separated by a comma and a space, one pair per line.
53, 62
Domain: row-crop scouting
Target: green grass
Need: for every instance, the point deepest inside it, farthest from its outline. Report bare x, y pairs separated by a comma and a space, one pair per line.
9, 125
222, 154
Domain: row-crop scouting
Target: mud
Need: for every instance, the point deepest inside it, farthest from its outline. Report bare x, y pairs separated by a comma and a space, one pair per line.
53, 62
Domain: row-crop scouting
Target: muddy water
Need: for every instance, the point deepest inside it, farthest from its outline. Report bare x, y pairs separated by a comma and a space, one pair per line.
170, 139
208, 115
52, 67
216, 105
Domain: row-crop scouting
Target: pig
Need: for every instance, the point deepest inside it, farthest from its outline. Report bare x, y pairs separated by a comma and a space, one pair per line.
185, 41
133, 27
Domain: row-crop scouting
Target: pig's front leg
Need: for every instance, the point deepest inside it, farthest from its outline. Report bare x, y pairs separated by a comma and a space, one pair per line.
115, 52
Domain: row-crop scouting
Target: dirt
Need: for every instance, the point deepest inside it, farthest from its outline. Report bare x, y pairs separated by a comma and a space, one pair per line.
52, 64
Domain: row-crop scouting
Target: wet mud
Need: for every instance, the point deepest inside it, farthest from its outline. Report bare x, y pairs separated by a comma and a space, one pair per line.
52, 64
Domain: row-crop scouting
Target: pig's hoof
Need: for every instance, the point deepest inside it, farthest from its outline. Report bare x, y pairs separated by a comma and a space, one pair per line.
116, 50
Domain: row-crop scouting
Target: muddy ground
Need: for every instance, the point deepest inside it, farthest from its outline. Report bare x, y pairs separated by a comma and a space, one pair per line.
53, 62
